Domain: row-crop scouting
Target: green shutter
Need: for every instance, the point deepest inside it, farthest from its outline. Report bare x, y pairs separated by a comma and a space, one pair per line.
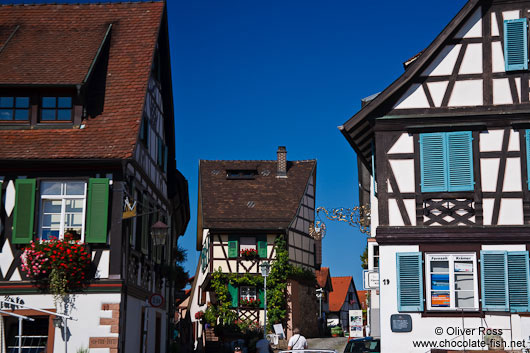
232, 246
97, 210
409, 281
262, 246
494, 273
261, 298
459, 161
233, 294
433, 162
24, 211
516, 44
518, 278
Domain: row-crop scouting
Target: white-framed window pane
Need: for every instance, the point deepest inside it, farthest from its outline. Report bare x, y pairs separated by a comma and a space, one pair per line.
464, 299
75, 188
464, 282
60, 214
51, 206
440, 266
440, 299
50, 188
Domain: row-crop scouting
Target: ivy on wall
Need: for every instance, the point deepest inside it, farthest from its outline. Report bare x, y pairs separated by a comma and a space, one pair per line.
281, 270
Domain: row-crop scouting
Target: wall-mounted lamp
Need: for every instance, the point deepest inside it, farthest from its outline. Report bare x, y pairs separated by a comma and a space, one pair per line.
159, 232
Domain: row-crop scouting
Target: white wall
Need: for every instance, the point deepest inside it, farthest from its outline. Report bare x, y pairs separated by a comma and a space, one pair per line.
424, 328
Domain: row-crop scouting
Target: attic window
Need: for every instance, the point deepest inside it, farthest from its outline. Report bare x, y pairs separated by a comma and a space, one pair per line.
14, 108
244, 174
56, 109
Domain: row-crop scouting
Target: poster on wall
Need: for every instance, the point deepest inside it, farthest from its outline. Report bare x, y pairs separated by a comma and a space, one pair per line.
356, 323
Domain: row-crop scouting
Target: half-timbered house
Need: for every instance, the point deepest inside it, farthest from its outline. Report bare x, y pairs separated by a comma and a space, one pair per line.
244, 206
447, 146
87, 147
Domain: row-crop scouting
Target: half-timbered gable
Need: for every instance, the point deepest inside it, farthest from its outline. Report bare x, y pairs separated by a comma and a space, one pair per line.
87, 131
447, 149
244, 206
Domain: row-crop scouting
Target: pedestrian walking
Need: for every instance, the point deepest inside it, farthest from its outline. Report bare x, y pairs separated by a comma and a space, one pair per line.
263, 346
297, 341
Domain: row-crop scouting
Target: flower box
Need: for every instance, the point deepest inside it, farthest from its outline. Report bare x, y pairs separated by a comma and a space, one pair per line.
252, 303
249, 254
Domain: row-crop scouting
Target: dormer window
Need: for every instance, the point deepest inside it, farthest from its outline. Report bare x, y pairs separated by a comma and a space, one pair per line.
241, 174
14, 108
56, 109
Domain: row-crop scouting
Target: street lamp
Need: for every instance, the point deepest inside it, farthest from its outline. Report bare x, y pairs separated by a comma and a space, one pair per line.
159, 232
265, 268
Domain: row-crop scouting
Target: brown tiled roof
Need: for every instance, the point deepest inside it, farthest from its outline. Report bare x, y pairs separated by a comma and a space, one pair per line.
363, 298
265, 202
322, 277
56, 44
340, 289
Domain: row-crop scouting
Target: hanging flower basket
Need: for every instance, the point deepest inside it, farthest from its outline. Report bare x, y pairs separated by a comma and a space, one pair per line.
60, 266
249, 254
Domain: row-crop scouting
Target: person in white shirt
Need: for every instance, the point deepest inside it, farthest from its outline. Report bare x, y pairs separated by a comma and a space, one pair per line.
297, 341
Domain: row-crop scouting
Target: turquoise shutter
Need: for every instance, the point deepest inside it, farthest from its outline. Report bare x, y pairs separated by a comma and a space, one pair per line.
97, 210
516, 44
494, 273
261, 298
262, 246
24, 211
460, 161
518, 278
232, 246
233, 294
528, 157
409, 281
433, 163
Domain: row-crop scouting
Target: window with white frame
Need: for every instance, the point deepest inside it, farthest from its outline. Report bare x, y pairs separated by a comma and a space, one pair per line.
451, 281
247, 293
62, 209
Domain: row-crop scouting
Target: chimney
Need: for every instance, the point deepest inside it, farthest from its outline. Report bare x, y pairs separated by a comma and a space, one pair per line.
282, 162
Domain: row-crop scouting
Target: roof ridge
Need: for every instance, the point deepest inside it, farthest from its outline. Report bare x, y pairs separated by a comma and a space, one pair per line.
86, 2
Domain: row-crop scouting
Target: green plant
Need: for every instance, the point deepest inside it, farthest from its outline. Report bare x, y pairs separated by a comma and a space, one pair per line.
83, 350
337, 330
210, 315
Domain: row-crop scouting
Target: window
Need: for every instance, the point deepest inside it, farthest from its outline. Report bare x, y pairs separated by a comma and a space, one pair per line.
62, 208
144, 131
247, 293
244, 174
34, 335
451, 281
248, 243
375, 259
56, 109
516, 44
14, 108
446, 161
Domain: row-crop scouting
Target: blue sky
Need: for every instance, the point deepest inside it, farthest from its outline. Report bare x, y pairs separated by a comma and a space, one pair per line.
251, 75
